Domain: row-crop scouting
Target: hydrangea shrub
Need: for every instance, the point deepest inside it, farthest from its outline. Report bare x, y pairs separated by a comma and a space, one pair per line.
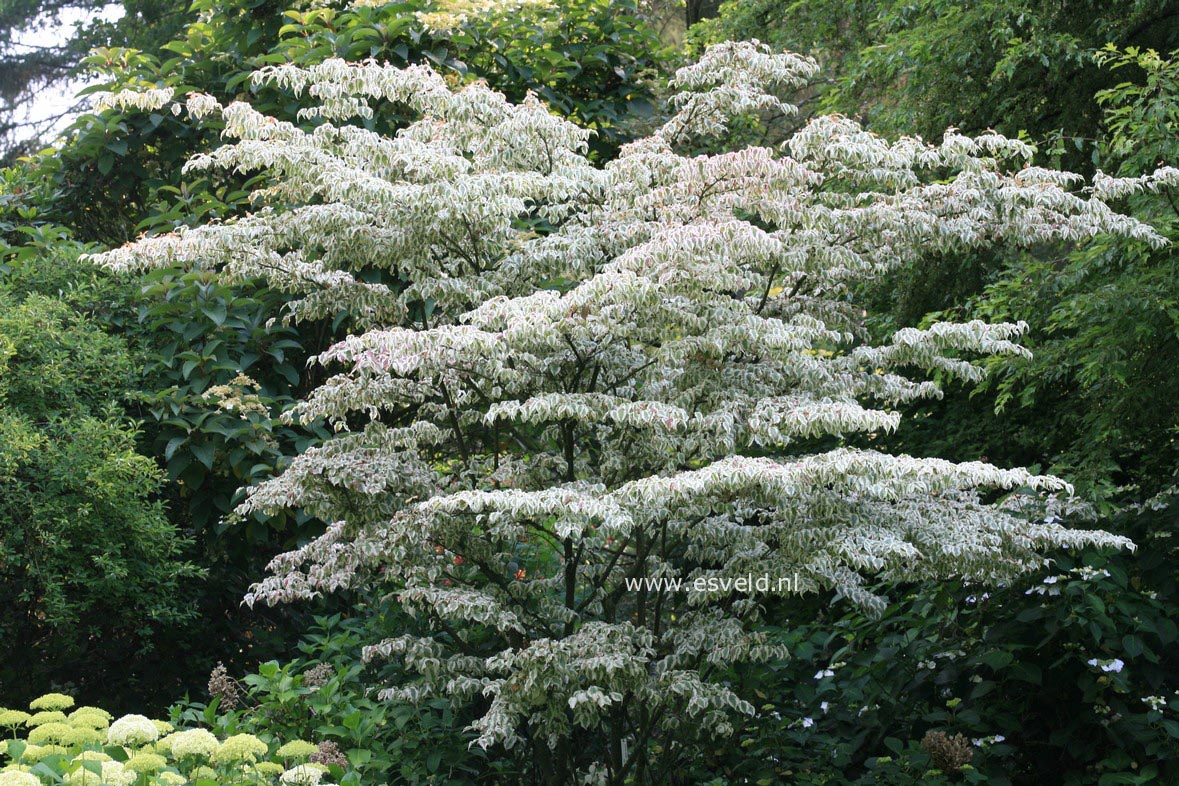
85, 746
580, 403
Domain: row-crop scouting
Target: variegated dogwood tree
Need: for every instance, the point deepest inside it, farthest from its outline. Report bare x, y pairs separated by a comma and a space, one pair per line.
580, 402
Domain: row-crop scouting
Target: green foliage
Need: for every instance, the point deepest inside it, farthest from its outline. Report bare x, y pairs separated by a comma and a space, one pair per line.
45, 262
56, 364
1141, 114
91, 571
215, 379
180, 345
586, 59
211, 421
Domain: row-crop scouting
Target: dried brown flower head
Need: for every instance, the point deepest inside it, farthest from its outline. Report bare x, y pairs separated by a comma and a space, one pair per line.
948, 753
329, 753
224, 687
318, 676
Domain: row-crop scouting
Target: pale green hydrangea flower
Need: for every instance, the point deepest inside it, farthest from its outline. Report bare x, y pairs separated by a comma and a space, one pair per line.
50, 732
113, 774
146, 762
90, 717
132, 731
18, 778
200, 773
81, 735
194, 742
169, 778
163, 727
93, 756
47, 716
297, 749
52, 701
240, 748
268, 768
121, 776
13, 718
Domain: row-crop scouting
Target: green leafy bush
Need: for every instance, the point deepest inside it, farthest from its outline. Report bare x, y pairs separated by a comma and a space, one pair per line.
215, 379
91, 570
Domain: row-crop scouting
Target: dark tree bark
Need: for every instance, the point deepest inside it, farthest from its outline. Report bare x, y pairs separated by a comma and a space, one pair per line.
697, 10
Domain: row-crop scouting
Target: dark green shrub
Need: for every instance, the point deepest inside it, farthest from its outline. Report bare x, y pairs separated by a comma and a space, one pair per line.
91, 570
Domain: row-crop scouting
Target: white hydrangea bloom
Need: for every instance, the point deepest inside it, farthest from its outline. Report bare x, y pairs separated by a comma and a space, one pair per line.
18, 778
132, 731
581, 400
302, 775
113, 774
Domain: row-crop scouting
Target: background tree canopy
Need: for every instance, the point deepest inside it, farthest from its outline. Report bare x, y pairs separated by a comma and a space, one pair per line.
922, 67
31, 64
